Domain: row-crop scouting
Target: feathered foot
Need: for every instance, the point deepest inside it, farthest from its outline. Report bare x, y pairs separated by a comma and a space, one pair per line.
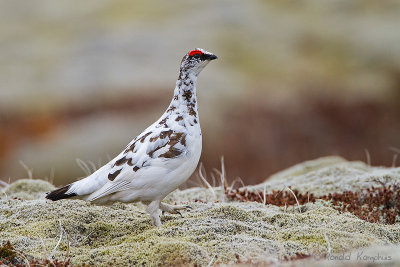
153, 209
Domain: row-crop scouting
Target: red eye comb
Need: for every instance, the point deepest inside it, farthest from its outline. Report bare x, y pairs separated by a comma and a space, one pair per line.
194, 52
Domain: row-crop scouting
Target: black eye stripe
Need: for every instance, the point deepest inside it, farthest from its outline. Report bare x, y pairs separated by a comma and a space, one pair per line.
201, 57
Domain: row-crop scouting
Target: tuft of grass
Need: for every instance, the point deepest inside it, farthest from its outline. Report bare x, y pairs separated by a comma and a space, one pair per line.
203, 178
28, 170
85, 167
222, 178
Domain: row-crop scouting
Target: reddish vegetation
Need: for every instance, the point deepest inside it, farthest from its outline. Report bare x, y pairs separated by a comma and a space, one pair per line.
377, 205
9, 256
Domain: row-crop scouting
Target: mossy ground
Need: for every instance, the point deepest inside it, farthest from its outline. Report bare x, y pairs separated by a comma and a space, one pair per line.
224, 232
330, 175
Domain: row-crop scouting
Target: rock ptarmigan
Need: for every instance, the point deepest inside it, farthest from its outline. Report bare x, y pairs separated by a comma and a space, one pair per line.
158, 160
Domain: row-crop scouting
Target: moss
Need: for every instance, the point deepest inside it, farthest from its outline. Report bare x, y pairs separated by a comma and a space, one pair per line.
222, 229
173, 253
225, 232
29, 189
329, 175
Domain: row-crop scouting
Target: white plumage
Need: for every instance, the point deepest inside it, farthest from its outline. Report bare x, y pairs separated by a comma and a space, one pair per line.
157, 161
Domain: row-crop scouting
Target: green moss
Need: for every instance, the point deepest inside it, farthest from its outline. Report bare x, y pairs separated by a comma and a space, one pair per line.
173, 253
28, 189
121, 234
329, 175
230, 212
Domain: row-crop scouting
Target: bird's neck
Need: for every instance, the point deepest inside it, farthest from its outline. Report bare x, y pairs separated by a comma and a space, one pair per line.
184, 98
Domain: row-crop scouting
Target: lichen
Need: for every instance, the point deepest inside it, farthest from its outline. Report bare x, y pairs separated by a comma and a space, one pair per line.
220, 232
330, 175
29, 189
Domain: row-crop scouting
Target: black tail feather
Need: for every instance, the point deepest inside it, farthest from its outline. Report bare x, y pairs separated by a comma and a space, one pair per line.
60, 193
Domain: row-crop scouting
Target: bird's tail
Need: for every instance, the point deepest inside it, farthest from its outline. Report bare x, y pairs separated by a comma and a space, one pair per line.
60, 193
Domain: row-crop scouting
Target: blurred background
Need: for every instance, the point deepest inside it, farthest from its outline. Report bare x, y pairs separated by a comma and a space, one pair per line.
295, 80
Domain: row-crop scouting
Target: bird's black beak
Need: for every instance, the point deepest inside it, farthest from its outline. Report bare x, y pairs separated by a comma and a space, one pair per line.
211, 57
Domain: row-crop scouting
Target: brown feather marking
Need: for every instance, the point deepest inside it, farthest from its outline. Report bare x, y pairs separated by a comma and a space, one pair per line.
179, 118
131, 147
157, 148
112, 176
120, 161
187, 95
136, 168
144, 137
171, 153
152, 139
174, 139
192, 112
164, 134
175, 136
183, 140
172, 108
163, 122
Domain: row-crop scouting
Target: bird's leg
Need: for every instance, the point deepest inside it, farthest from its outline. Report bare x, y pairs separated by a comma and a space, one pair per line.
174, 209
153, 209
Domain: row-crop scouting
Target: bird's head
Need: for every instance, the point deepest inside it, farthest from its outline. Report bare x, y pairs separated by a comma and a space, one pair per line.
194, 61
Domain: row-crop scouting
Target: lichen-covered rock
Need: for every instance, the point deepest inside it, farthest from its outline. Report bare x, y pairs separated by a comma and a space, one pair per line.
329, 175
215, 231
29, 189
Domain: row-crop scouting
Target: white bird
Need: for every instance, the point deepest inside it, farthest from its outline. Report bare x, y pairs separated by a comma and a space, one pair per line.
158, 160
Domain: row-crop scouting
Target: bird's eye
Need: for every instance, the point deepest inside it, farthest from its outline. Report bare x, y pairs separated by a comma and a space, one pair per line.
196, 55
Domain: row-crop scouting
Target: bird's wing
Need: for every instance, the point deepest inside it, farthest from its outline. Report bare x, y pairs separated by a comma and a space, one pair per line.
153, 148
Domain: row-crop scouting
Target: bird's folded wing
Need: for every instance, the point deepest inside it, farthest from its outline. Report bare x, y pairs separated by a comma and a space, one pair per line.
154, 149
107, 189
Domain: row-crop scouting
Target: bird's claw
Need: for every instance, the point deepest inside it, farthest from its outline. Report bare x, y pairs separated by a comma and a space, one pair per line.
177, 212
173, 209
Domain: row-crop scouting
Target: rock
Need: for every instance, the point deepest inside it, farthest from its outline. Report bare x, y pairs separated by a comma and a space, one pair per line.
329, 175
29, 189
215, 231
